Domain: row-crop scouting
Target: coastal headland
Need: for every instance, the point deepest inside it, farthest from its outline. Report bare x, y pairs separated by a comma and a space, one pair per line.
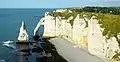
95, 30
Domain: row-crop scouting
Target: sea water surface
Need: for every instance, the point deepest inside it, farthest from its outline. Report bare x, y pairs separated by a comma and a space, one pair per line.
10, 22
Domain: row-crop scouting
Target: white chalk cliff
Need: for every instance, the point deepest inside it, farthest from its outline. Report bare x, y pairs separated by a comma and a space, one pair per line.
86, 37
23, 36
38, 26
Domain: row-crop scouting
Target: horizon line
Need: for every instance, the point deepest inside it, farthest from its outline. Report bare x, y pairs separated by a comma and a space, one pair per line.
52, 7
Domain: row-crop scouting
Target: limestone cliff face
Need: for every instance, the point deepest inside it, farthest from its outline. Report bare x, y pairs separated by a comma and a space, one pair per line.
79, 32
98, 44
86, 37
95, 38
49, 25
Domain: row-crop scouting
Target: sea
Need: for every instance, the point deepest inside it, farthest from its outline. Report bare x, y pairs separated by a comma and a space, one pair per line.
10, 22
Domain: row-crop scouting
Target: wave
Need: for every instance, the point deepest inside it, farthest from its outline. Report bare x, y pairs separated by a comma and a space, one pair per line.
9, 44
2, 60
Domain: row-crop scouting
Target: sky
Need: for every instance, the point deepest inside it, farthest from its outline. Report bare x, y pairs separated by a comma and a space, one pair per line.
56, 3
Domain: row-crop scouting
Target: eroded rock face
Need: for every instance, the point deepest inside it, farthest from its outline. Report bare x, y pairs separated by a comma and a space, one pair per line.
86, 37
49, 25
95, 38
79, 34
23, 36
56, 26
41, 22
97, 43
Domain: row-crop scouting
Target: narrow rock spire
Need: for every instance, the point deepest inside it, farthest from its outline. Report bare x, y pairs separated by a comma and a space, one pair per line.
23, 36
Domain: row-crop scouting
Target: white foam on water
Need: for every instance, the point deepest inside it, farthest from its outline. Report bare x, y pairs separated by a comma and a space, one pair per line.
8, 44
2, 60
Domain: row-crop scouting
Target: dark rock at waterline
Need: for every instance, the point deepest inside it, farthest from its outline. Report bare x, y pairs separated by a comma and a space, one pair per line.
37, 49
35, 52
50, 48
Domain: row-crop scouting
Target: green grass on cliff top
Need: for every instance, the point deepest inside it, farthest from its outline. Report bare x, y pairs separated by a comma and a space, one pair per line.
108, 18
109, 21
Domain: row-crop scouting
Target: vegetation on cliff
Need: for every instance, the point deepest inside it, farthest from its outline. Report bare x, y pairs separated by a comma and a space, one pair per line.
111, 10
89, 11
108, 17
65, 15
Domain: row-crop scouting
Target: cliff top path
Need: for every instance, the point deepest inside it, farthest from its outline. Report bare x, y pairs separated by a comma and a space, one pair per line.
66, 49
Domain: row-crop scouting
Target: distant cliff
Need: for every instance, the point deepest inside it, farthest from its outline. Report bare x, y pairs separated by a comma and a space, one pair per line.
99, 33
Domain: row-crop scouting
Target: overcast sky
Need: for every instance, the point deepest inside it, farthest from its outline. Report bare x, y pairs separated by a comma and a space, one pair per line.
56, 3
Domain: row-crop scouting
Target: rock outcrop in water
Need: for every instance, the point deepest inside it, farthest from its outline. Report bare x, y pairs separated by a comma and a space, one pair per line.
83, 31
23, 36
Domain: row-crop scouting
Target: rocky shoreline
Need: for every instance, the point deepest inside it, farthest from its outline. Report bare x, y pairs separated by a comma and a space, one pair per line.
50, 48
